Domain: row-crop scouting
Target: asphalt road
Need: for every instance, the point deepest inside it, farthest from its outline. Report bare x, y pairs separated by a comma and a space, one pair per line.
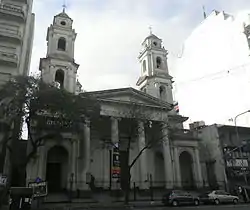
202, 207
206, 207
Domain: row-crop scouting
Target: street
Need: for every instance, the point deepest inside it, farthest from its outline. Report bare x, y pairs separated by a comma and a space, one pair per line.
202, 207
208, 207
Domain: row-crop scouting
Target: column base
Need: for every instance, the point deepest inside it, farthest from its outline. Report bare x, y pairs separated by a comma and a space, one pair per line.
169, 185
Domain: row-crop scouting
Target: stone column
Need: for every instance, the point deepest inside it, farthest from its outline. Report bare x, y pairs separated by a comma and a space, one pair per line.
114, 130
143, 158
7, 163
167, 157
199, 180
87, 148
73, 163
42, 163
177, 168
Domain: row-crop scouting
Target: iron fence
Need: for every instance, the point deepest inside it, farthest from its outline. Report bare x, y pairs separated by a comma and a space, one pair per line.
146, 191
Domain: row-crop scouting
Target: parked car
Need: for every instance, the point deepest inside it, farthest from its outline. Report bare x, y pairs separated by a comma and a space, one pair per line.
178, 197
217, 197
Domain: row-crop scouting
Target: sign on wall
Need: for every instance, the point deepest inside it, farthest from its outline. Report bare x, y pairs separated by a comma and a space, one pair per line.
40, 188
3, 180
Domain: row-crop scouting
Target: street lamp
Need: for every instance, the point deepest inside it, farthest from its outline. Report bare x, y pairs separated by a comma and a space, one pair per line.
238, 139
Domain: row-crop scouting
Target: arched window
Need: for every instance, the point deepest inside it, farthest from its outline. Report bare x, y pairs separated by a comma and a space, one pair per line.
162, 91
59, 78
61, 44
158, 62
144, 66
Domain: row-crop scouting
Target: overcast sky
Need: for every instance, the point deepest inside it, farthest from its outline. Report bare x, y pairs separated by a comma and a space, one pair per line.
110, 33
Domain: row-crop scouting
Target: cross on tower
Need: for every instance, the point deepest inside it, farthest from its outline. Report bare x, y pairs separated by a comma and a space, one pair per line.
64, 6
150, 30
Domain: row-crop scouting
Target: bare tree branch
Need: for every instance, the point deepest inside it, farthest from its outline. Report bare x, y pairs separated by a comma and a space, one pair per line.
137, 157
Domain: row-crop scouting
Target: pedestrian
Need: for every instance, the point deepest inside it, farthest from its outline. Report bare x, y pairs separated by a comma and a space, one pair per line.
92, 183
243, 193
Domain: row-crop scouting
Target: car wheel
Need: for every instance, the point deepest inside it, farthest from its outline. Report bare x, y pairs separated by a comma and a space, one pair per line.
235, 201
174, 203
196, 202
216, 202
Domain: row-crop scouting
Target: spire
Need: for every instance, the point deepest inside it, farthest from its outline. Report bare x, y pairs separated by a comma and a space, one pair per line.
204, 12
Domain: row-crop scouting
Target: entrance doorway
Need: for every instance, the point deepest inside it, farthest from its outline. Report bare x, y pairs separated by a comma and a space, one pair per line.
57, 169
186, 165
124, 169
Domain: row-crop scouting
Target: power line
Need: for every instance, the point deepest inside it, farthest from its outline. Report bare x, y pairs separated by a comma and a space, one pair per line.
217, 75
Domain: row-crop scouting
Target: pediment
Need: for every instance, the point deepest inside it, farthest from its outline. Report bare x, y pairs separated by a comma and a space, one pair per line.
125, 95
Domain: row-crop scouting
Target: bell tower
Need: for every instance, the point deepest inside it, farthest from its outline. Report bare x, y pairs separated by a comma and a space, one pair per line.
59, 66
155, 79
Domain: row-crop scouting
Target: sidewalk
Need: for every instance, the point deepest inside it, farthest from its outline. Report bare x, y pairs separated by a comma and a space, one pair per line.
132, 204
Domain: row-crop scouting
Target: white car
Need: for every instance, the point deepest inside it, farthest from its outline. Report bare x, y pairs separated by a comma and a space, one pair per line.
219, 196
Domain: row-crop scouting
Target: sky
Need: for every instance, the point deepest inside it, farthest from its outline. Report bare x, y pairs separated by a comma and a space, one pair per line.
109, 39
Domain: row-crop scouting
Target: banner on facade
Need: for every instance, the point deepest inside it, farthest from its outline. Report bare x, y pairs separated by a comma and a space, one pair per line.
54, 123
40, 188
237, 163
116, 169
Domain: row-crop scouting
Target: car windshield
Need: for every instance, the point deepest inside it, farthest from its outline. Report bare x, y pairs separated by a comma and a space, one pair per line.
205, 193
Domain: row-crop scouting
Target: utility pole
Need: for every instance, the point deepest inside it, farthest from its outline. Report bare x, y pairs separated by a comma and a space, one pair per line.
238, 140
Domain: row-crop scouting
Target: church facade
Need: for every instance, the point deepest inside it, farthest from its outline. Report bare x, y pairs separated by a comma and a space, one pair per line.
69, 163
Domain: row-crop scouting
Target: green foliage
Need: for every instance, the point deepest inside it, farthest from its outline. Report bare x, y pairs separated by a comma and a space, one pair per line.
37, 103
32, 99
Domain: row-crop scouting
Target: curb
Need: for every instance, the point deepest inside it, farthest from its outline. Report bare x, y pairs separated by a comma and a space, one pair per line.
105, 206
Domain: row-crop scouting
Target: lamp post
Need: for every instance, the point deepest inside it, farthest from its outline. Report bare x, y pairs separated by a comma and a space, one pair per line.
238, 139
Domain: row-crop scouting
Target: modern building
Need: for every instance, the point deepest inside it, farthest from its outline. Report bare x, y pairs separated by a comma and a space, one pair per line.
214, 56
70, 161
225, 158
16, 37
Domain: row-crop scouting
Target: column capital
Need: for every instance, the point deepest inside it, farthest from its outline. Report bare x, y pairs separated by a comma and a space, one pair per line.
115, 118
141, 121
164, 124
73, 140
87, 122
140, 125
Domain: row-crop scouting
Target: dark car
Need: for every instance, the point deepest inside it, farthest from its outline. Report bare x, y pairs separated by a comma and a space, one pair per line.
178, 197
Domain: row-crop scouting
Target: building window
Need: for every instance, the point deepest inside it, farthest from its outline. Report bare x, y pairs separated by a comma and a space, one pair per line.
162, 91
59, 78
144, 66
63, 23
158, 62
61, 44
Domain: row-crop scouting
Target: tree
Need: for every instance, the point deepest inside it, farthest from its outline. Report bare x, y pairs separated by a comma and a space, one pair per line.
41, 106
136, 113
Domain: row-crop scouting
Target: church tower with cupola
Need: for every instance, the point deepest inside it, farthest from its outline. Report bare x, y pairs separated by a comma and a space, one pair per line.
155, 79
59, 67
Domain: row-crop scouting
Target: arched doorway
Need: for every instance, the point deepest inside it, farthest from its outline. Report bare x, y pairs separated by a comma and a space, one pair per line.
57, 169
186, 165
